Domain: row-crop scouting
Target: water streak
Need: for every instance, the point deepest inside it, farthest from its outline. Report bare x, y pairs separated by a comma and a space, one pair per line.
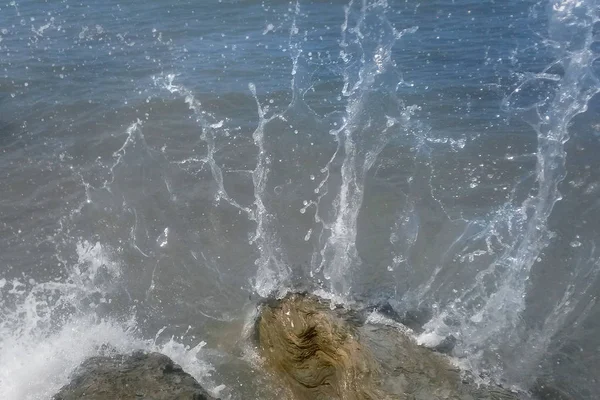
490, 315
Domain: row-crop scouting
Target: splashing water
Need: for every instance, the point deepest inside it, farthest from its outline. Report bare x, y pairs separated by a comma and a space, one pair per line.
362, 135
375, 152
490, 318
61, 332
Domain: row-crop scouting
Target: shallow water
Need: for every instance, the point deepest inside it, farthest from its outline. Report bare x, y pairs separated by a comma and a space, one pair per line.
165, 165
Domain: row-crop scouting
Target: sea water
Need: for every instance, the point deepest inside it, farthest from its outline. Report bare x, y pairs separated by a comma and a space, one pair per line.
164, 165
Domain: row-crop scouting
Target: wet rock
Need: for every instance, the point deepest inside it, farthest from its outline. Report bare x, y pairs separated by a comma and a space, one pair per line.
545, 390
139, 376
446, 346
317, 352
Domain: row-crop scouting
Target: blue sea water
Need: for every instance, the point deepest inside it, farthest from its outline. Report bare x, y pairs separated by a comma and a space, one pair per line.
165, 164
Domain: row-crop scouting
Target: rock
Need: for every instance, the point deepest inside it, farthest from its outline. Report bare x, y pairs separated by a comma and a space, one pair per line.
315, 352
545, 390
322, 353
139, 376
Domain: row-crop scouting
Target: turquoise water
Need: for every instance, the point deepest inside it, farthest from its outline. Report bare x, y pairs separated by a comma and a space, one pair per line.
165, 165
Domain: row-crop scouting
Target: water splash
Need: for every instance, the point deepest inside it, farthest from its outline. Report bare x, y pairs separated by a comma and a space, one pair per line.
489, 312
50, 328
365, 49
209, 129
272, 269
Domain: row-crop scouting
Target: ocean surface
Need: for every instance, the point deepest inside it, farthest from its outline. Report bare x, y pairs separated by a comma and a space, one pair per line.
164, 165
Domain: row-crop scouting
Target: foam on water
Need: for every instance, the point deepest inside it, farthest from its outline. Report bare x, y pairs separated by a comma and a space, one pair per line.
37, 366
47, 329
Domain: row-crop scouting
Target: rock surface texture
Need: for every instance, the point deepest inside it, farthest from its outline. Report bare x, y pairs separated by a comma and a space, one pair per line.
322, 353
139, 376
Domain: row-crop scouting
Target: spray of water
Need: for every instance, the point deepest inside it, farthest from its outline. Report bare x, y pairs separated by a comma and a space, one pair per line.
489, 315
365, 51
485, 315
49, 328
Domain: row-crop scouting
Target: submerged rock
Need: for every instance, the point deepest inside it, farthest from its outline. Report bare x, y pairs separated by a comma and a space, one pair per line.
139, 376
322, 353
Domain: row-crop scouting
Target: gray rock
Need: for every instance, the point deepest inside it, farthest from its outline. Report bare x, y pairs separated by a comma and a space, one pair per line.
139, 376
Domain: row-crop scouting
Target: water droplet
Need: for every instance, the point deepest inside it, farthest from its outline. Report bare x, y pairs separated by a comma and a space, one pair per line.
307, 236
268, 29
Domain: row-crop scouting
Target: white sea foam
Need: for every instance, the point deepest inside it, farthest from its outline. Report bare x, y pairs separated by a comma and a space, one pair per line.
34, 368
377, 318
40, 347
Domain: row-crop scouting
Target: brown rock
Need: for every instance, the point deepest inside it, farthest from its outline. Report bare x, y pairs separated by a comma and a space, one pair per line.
323, 353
